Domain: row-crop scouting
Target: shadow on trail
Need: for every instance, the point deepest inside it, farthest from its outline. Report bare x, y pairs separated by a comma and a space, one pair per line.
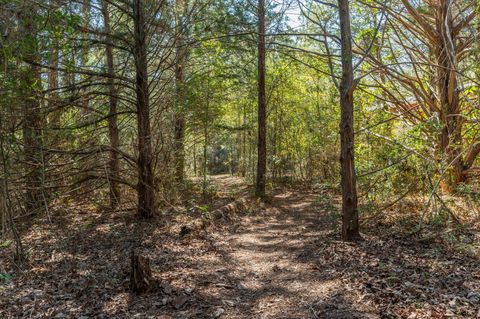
266, 267
285, 262
291, 263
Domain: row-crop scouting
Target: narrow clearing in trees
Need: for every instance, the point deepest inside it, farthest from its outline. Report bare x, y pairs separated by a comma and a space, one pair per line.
284, 259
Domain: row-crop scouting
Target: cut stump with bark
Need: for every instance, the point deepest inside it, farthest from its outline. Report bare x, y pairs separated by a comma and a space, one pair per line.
141, 279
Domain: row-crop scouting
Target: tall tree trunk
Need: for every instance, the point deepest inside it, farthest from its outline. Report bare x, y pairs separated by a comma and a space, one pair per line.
145, 190
113, 163
262, 108
244, 158
54, 111
53, 99
194, 157
32, 123
350, 227
7, 218
205, 144
448, 93
447, 28
84, 52
81, 88
274, 166
179, 125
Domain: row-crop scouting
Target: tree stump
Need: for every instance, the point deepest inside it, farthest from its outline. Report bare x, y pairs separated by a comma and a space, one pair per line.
141, 279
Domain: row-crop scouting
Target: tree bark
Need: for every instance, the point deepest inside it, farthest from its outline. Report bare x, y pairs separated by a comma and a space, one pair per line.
145, 190
53, 80
32, 123
350, 225
179, 125
451, 136
205, 145
194, 158
84, 52
53, 111
81, 88
141, 279
243, 167
113, 134
262, 112
448, 35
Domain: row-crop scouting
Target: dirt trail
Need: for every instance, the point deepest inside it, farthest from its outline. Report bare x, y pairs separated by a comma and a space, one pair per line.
269, 267
284, 261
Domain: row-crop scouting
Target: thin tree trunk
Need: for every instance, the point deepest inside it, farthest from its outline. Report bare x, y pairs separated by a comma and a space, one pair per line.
262, 112
32, 123
194, 158
274, 166
145, 188
113, 164
243, 170
251, 149
85, 114
53, 112
179, 125
350, 227
84, 52
205, 145
53, 99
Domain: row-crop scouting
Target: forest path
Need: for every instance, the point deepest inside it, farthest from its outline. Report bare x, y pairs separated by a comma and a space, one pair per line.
286, 260
269, 268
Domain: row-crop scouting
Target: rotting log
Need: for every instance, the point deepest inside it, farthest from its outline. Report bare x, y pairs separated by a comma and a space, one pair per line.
224, 212
232, 208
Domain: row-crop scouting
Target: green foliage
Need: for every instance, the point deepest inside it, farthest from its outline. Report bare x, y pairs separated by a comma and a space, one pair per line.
205, 211
5, 278
393, 154
5, 243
